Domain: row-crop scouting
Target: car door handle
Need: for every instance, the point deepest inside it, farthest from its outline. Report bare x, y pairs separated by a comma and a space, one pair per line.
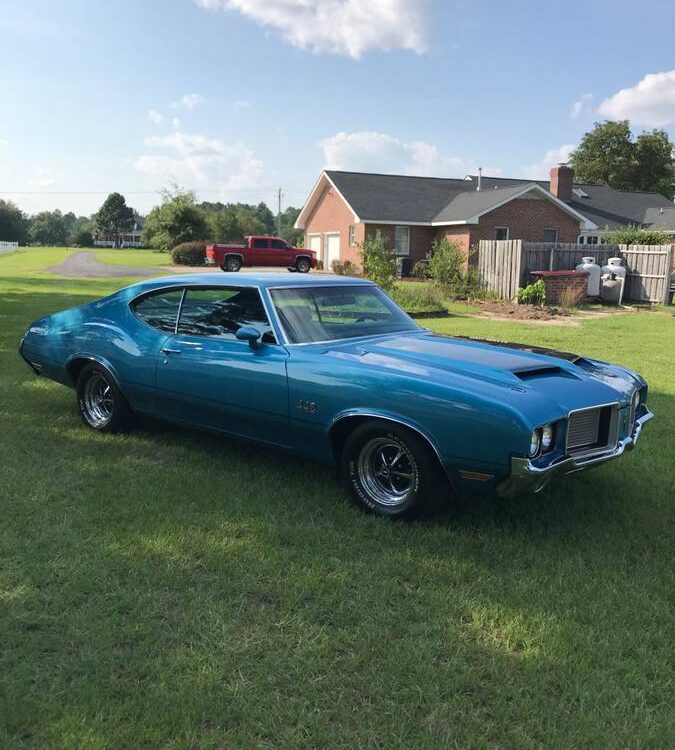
167, 350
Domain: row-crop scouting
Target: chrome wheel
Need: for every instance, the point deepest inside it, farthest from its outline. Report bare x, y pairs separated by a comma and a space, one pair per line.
387, 471
98, 400
303, 265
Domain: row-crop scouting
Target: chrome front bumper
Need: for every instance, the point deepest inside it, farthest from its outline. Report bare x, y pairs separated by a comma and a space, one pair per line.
525, 477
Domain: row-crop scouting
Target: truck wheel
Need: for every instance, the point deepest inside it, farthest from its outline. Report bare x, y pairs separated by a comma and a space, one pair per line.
232, 264
302, 265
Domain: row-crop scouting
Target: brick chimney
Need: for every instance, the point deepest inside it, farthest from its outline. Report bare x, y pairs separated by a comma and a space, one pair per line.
562, 177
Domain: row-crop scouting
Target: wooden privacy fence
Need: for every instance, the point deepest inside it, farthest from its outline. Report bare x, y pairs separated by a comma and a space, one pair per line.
505, 265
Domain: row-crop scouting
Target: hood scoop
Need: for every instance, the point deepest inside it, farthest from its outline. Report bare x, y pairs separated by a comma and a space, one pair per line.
547, 371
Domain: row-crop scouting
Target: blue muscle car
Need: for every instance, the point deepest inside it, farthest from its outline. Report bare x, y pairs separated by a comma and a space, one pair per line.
332, 370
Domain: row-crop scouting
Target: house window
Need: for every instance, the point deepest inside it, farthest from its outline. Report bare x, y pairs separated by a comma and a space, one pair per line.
550, 235
352, 235
502, 233
402, 240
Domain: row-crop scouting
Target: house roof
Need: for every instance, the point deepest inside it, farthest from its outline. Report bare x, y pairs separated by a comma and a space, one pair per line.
383, 198
661, 218
386, 198
603, 205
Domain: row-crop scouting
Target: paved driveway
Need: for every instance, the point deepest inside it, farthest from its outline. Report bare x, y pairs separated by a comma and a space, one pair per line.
84, 264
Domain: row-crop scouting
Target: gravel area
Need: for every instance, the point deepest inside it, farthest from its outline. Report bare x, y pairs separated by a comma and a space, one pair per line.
84, 264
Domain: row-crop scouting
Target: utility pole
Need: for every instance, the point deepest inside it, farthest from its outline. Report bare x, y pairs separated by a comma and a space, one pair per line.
279, 194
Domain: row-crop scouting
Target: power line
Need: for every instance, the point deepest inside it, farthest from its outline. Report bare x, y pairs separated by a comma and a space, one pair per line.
142, 192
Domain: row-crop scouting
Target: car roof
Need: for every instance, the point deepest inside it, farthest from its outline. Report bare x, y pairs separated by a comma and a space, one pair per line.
248, 280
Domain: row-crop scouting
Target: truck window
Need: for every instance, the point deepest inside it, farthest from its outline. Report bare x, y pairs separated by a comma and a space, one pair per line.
260, 243
278, 244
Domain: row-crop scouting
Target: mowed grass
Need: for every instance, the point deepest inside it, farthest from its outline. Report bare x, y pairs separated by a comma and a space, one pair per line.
170, 589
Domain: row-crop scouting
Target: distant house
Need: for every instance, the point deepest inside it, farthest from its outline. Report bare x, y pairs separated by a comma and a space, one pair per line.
128, 239
411, 212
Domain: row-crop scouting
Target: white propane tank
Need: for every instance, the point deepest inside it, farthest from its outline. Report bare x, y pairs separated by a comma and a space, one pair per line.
611, 289
614, 266
589, 264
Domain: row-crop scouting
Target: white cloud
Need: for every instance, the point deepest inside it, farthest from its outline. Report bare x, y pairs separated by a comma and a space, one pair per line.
197, 160
4, 142
369, 151
189, 101
175, 123
344, 27
42, 177
156, 117
540, 170
241, 104
651, 102
579, 105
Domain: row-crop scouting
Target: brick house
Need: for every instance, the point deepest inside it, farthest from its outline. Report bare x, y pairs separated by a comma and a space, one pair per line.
411, 212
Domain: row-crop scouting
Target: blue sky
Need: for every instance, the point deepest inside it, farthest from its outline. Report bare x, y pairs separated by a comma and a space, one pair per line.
234, 98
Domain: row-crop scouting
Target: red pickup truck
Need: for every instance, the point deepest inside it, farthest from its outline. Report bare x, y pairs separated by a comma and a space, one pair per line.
260, 251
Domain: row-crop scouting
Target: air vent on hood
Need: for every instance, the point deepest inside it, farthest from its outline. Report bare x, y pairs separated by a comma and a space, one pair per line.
539, 372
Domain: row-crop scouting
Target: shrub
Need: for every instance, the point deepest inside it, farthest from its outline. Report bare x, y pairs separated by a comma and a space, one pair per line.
344, 269
634, 235
420, 270
189, 253
445, 265
379, 262
418, 297
532, 294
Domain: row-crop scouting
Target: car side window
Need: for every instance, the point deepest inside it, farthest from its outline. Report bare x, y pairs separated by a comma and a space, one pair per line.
278, 244
260, 244
159, 310
221, 311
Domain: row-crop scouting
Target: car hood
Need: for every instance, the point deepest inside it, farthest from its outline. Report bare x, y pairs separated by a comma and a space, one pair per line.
568, 380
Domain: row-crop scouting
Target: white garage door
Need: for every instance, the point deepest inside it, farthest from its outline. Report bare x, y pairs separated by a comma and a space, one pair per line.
314, 241
332, 250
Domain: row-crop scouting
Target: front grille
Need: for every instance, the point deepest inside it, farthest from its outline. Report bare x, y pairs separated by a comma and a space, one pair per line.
592, 430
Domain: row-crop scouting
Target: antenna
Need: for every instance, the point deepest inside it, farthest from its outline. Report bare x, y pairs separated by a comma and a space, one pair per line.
480, 178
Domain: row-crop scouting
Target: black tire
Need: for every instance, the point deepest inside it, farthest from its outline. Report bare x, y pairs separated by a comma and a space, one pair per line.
302, 265
391, 493
231, 264
101, 403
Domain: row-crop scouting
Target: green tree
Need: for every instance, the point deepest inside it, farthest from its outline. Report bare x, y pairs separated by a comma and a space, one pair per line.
266, 217
224, 225
48, 228
288, 232
608, 155
605, 156
13, 223
114, 217
379, 262
178, 219
654, 163
249, 219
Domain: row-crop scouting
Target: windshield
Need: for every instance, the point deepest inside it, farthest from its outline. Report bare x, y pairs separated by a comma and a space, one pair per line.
328, 313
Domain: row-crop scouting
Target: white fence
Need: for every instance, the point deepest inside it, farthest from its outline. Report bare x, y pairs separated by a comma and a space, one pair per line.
8, 247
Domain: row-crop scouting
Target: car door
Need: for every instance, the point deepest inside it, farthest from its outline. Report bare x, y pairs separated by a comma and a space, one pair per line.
206, 376
260, 252
280, 254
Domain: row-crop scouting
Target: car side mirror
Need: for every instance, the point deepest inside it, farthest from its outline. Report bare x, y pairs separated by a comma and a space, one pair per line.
251, 334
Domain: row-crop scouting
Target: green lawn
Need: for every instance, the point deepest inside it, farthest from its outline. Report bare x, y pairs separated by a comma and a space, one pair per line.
168, 589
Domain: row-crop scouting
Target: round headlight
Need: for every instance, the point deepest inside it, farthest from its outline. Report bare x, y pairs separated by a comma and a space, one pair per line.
547, 435
535, 443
